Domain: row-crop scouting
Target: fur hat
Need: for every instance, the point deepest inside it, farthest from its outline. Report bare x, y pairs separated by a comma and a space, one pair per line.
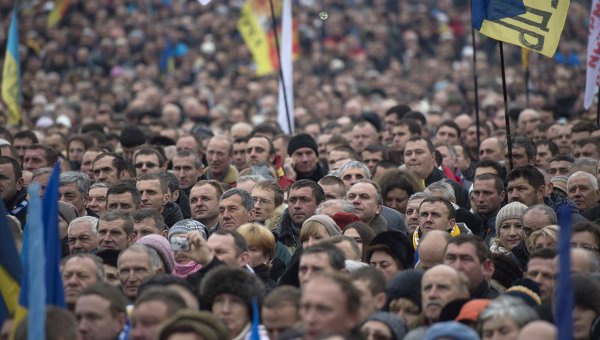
302, 140
187, 225
199, 322
407, 285
162, 247
393, 322
328, 222
230, 280
397, 245
514, 210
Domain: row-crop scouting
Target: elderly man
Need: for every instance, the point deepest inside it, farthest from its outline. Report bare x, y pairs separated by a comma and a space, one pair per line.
439, 286
114, 229
136, 264
491, 148
582, 188
219, 152
97, 198
412, 211
234, 209
365, 196
109, 168
536, 217
74, 187
82, 235
78, 272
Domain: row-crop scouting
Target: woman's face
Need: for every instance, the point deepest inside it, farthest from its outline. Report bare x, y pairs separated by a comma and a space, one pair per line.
503, 328
352, 233
407, 311
376, 330
544, 242
384, 262
511, 233
257, 256
582, 322
397, 199
319, 234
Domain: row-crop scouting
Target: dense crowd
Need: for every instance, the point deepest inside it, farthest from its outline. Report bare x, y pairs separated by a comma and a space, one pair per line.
184, 210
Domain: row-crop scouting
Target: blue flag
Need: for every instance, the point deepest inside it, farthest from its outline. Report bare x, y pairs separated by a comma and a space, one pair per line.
35, 292
54, 284
494, 10
10, 269
254, 332
564, 298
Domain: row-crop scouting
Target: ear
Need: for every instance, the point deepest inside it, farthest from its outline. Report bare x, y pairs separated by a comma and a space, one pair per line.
502, 195
549, 189
86, 198
488, 269
541, 193
166, 198
380, 300
20, 183
175, 195
201, 171
378, 209
244, 258
165, 234
124, 174
452, 222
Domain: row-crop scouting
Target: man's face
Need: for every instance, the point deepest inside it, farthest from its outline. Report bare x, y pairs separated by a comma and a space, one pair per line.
434, 216
111, 234
519, 190
146, 164
585, 240
543, 156
95, 319
257, 152
563, 140
87, 161
368, 302
75, 150
279, 319
333, 191
232, 310
587, 150
77, 274
336, 156
412, 214
21, 145
559, 168
301, 204
223, 247
122, 201
371, 159
239, 155
490, 149
152, 195
311, 265
187, 143
471, 138
323, 309
35, 159
582, 192
447, 134
488, 200
81, 238
146, 317
204, 203
439, 286
519, 157
264, 203
464, 259
9, 185
111, 275
145, 227
528, 122
419, 159
218, 155
134, 268
363, 136
105, 171
447, 160
542, 272
305, 160
186, 171
363, 197
352, 175
232, 213
534, 220
400, 135
69, 193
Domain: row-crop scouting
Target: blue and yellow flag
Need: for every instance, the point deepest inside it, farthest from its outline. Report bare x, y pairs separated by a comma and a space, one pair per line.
11, 73
10, 269
532, 24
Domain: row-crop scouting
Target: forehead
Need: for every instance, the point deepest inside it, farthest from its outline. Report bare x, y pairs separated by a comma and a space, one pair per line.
68, 186
126, 196
82, 226
464, 249
543, 264
146, 157
301, 192
315, 258
519, 181
367, 128
98, 191
221, 241
484, 184
35, 152
104, 161
439, 275
218, 144
183, 160
93, 302
91, 154
485, 170
580, 180
231, 200
148, 184
205, 189
368, 154
565, 164
116, 224
262, 192
80, 263
362, 188
353, 171
258, 141
489, 143
415, 145
433, 206
447, 129
187, 141
415, 203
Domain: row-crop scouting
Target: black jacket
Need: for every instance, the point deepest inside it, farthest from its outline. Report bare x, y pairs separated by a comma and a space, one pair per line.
462, 196
17, 206
316, 175
172, 214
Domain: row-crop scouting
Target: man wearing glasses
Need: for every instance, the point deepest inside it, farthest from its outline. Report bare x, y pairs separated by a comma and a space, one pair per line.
148, 160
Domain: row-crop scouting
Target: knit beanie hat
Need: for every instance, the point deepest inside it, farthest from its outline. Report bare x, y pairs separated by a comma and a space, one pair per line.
393, 322
342, 219
328, 222
67, 211
407, 285
302, 140
450, 330
514, 210
187, 225
526, 289
162, 247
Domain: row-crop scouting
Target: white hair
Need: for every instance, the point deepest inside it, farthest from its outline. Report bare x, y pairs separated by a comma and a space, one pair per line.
93, 221
591, 178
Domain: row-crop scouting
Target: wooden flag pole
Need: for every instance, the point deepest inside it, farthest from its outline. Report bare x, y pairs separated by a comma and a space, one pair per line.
506, 117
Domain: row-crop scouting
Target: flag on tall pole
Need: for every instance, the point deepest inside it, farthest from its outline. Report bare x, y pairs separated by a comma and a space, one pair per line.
53, 246
285, 105
593, 56
532, 24
36, 271
58, 12
11, 73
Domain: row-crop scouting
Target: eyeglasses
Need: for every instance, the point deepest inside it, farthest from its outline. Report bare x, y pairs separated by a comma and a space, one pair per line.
262, 201
148, 165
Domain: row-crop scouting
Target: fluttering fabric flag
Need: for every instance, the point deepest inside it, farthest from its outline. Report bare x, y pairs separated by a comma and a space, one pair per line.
532, 24
167, 58
564, 288
11, 73
285, 105
10, 269
36, 271
593, 56
58, 12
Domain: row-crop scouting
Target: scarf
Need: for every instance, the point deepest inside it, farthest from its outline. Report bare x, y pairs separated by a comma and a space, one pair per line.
184, 270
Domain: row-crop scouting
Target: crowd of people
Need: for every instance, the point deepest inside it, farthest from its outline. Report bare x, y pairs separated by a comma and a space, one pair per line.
390, 212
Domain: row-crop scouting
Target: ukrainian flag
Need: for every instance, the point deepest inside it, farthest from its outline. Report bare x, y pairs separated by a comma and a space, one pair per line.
532, 24
58, 12
10, 269
11, 73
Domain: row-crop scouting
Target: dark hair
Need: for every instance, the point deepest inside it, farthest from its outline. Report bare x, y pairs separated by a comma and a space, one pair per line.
171, 299
551, 146
118, 162
482, 250
216, 185
347, 148
144, 213
426, 140
316, 189
366, 235
118, 214
238, 240
345, 285
448, 204
399, 110
115, 297
583, 126
413, 126
234, 281
163, 280
451, 124
189, 153
587, 226
398, 179
266, 128
543, 253
151, 150
160, 177
488, 163
563, 158
271, 146
26, 134
244, 197
530, 173
132, 136
527, 144
586, 292
281, 295
337, 260
51, 153
124, 186
373, 276
506, 269
16, 167
498, 184
272, 186
417, 116
372, 148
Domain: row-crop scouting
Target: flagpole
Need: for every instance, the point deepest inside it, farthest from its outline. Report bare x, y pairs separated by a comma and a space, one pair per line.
506, 117
285, 98
475, 80
598, 108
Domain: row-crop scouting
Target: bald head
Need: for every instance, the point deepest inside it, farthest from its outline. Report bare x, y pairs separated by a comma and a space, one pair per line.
432, 247
537, 330
582, 261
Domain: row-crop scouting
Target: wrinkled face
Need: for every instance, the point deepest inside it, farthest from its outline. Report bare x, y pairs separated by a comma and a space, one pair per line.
223, 247
412, 215
233, 311
305, 160
218, 155
397, 199
9, 185
511, 233
582, 192
488, 201
301, 204
559, 168
448, 160
563, 139
447, 134
336, 156
105, 171
70, 194
257, 152
434, 216
519, 190
146, 164
542, 272
587, 150
464, 259
187, 143
75, 150
95, 319
503, 327
279, 319
385, 263
134, 268
232, 213
264, 203
77, 274
419, 159
490, 149
111, 234
35, 159
146, 317
363, 197
311, 265
186, 171
204, 204
371, 159
81, 238
439, 286
352, 175
534, 220
152, 195
323, 309
528, 121
122, 201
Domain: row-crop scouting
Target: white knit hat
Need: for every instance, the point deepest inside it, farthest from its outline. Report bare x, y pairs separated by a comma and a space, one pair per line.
514, 210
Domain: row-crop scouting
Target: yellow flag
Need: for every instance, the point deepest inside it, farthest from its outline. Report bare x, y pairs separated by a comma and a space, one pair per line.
538, 29
256, 39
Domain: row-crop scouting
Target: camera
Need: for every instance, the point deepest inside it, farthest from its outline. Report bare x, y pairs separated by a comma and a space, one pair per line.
180, 244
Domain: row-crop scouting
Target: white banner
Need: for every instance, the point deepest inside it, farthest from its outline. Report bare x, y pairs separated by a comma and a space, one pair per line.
285, 117
593, 56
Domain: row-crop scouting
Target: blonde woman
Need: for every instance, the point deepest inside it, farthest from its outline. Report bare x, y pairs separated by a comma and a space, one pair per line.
547, 237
